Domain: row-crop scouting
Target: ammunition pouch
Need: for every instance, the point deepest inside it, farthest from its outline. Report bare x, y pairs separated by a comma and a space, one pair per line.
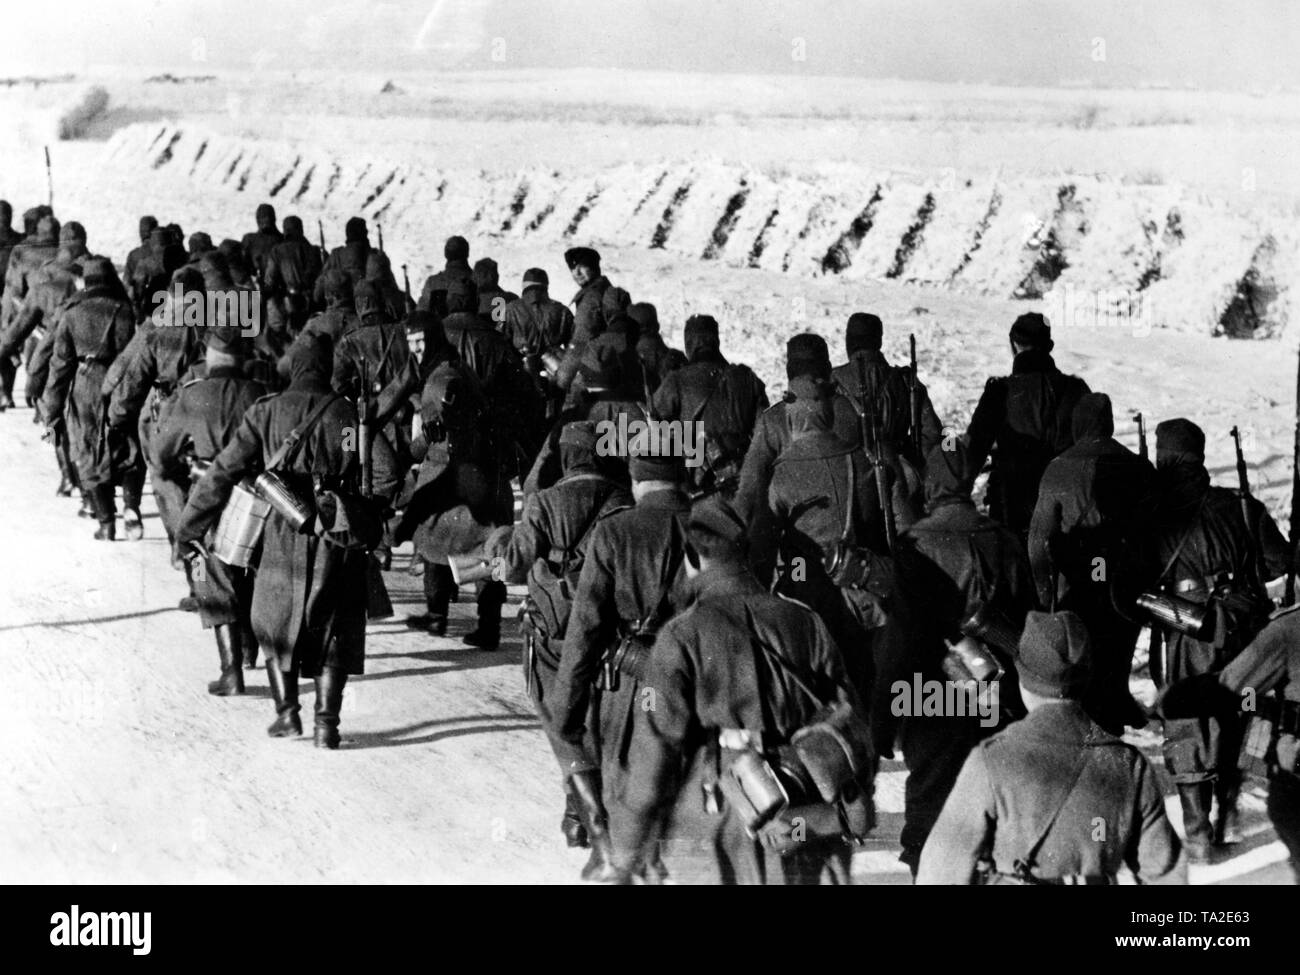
835, 750
858, 567
628, 658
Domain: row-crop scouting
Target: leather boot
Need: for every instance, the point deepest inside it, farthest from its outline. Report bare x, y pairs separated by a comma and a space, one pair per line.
1226, 821
575, 833
329, 701
101, 498
600, 867
284, 691
250, 648
231, 681
438, 590
65, 488
1196, 798
133, 523
491, 597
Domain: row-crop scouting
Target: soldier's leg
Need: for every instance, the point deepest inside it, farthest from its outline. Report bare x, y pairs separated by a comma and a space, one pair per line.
1284, 811
284, 691
329, 703
438, 589
934, 750
214, 588
491, 597
105, 506
7, 373
539, 680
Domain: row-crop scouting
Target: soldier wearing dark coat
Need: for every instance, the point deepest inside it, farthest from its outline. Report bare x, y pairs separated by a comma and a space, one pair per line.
537, 326
629, 587
310, 594
1053, 798
289, 276
1089, 547
1270, 665
379, 273
461, 494
8, 238
723, 398
596, 302
194, 429
821, 484
492, 298
148, 224
1027, 415
952, 563
161, 353
257, 244
379, 348
1208, 552
337, 320
152, 272
348, 260
24, 259
888, 389
94, 328
657, 359
806, 357
718, 694
433, 297
547, 549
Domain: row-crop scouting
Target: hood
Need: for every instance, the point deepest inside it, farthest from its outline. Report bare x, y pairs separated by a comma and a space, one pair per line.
265, 217
293, 228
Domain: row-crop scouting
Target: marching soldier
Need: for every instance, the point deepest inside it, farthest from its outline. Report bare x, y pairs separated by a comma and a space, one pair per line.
1089, 546
349, 260
1027, 415
1270, 664
148, 224
1053, 798
657, 359
537, 325
379, 273
460, 496
888, 389
433, 297
596, 302
733, 677
152, 271
629, 587
161, 353
257, 244
807, 357
824, 496
547, 549
25, 257
94, 328
310, 591
288, 279
1209, 554
952, 563
723, 398
195, 428
492, 298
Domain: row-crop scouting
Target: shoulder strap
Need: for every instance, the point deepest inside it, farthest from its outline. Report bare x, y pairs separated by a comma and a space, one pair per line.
297, 433
1027, 861
1182, 542
802, 680
847, 533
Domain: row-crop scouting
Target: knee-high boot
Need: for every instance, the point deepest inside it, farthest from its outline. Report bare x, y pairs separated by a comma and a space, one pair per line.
284, 690
329, 702
229, 648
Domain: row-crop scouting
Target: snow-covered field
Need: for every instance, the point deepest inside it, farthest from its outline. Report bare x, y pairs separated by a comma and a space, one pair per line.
776, 206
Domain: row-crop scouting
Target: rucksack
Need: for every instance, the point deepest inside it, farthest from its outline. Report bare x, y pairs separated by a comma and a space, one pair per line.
726, 431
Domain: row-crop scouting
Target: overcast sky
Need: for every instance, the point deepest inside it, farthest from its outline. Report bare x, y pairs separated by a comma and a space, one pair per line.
1247, 44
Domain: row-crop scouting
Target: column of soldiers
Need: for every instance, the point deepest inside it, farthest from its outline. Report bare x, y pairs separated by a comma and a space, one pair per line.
699, 622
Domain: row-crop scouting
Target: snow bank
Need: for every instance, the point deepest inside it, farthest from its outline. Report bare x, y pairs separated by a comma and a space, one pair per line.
1085, 245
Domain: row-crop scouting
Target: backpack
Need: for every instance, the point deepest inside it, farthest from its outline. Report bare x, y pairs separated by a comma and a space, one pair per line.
727, 432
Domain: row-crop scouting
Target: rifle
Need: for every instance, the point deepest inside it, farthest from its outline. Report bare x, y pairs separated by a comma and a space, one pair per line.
1289, 598
49, 178
1243, 483
406, 283
324, 252
380, 228
871, 438
1143, 452
364, 436
914, 398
